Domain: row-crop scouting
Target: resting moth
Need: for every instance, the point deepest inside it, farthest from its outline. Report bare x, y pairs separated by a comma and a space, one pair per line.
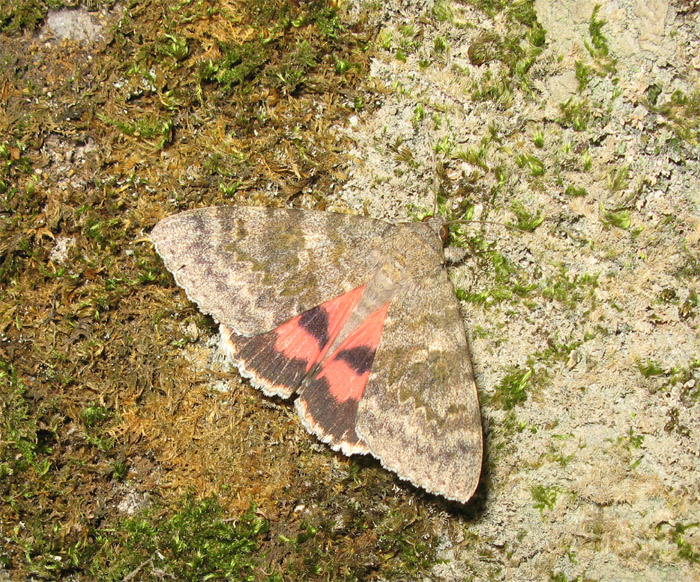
353, 316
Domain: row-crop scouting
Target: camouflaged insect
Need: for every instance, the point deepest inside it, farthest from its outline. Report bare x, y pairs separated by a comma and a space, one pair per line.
354, 317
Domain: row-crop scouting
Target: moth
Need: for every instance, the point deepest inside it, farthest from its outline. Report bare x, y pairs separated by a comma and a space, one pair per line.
354, 317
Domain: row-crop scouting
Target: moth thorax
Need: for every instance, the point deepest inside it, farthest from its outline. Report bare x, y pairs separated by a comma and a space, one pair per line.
383, 284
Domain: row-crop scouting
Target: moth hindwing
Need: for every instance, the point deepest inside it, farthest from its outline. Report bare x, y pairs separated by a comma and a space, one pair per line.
354, 317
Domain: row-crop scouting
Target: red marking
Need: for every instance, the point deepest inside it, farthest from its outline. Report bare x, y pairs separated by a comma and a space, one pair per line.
344, 381
296, 341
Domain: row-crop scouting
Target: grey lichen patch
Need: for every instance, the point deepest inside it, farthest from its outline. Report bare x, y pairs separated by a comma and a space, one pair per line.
583, 313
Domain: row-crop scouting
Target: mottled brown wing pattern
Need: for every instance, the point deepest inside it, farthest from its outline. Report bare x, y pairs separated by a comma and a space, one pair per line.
254, 268
423, 374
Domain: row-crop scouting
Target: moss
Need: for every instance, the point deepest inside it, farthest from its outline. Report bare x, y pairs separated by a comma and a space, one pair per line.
676, 534
512, 389
193, 543
544, 497
575, 114
681, 112
526, 220
570, 290
22, 15
517, 50
195, 108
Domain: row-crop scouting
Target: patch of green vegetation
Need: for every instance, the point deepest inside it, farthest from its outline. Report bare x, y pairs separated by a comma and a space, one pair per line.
650, 368
544, 497
595, 29
148, 128
675, 532
619, 218
560, 458
575, 191
502, 281
689, 306
442, 11
402, 42
538, 139
601, 63
21, 15
440, 45
526, 220
618, 179
561, 577
174, 46
194, 543
681, 113
555, 352
397, 539
327, 20
241, 62
534, 164
24, 446
294, 68
576, 113
652, 94
409, 41
583, 74
631, 440
690, 268
517, 49
95, 415
685, 376
102, 230
586, 161
570, 291
271, 62
20, 202
674, 423
512, 389
476, 156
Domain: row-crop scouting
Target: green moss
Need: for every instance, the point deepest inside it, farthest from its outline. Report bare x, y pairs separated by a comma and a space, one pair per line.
21, 15
148, 128
193, 543
599, 43
618, 218
650, 368
95, 415
618, 179
676, 534
501, 282
174, 46
575, 114
512, 389
517, 49
575, 191
681, 112
631, 440
583, 74
688, 308
538, 139
526, 220
533, 163
602, 64
544, 497
23, 446
571, 291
